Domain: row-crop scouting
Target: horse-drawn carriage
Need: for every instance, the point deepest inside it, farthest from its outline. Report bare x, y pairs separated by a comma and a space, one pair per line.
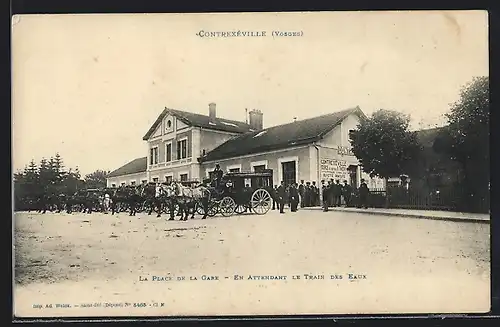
241, 192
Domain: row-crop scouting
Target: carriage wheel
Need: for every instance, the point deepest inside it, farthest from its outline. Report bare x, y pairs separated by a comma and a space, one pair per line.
213, 208
240, 209
227, 206
166, 209
199, 208
261, 201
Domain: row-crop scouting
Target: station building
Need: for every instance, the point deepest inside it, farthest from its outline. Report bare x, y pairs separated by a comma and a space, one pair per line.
185, 146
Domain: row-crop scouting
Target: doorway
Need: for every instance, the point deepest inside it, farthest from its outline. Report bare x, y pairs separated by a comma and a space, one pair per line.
353, 175
289, 170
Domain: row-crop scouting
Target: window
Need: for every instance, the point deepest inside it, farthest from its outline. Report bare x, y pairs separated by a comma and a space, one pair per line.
168, 126
113, 185
153, 155
259, 168
168, 152
182, 149
132, 183
233, 168
155, 180
168, 179
184, 177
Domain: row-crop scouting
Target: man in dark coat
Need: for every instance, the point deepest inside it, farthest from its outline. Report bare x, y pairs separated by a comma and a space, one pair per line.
307, 195
302, 189
315, 201
326, 195
363, 194
330, 192
294, 197
347, 193
281, 192
275, 197
217, 176
337, 201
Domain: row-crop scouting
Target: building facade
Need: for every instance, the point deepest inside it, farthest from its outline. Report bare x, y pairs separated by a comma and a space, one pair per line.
131, 173
311, 150
184, 146
178, 138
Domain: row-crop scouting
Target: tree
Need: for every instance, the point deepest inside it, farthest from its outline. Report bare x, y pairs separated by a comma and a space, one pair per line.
97, 179
384, 145
467, 135
48, 177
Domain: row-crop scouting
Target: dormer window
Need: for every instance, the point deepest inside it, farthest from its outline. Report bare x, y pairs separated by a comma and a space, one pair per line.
169, 124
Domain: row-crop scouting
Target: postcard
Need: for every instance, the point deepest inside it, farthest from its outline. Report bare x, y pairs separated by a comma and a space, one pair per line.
250, 164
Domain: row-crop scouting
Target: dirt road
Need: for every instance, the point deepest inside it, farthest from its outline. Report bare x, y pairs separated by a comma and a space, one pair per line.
136, 265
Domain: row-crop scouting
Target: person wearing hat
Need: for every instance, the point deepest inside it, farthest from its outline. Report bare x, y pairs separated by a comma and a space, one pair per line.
346, 193
293, 197
326, 195
363, 194
217, 175
302, 189
281, 195
337, 193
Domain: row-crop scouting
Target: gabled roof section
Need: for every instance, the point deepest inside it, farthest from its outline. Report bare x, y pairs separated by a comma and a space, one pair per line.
282, 136
138, 165
198, 120
426, 137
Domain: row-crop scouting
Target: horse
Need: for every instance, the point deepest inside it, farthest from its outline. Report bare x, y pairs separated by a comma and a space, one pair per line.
188, 197
79, 199
119, 199
153, 195
134, 199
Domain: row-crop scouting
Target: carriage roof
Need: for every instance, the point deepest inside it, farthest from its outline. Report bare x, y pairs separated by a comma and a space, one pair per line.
249, 174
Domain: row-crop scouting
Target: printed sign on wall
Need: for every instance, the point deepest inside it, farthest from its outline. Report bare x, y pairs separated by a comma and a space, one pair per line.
333, 169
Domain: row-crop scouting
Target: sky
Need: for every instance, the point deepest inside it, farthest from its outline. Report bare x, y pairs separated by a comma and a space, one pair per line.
90, 86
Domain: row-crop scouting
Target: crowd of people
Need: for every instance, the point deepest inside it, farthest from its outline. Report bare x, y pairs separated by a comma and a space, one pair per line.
333, 194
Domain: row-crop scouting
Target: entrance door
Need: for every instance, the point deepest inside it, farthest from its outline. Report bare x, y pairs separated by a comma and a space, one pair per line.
289, 172
353, 175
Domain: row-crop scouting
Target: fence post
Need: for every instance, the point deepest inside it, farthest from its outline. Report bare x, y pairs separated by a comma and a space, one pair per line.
386, 194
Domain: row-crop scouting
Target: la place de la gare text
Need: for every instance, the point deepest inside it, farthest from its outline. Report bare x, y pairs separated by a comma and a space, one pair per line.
169, 278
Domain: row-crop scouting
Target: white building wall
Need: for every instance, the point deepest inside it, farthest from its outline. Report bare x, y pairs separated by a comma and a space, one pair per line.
127, 179
272, 160
337, 146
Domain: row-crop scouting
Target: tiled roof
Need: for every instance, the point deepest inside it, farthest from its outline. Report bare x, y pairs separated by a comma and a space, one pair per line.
199, 120
138, 165
282, 136
426, 137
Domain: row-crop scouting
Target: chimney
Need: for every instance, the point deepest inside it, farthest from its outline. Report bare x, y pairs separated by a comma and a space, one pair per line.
255, 118
211, 111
